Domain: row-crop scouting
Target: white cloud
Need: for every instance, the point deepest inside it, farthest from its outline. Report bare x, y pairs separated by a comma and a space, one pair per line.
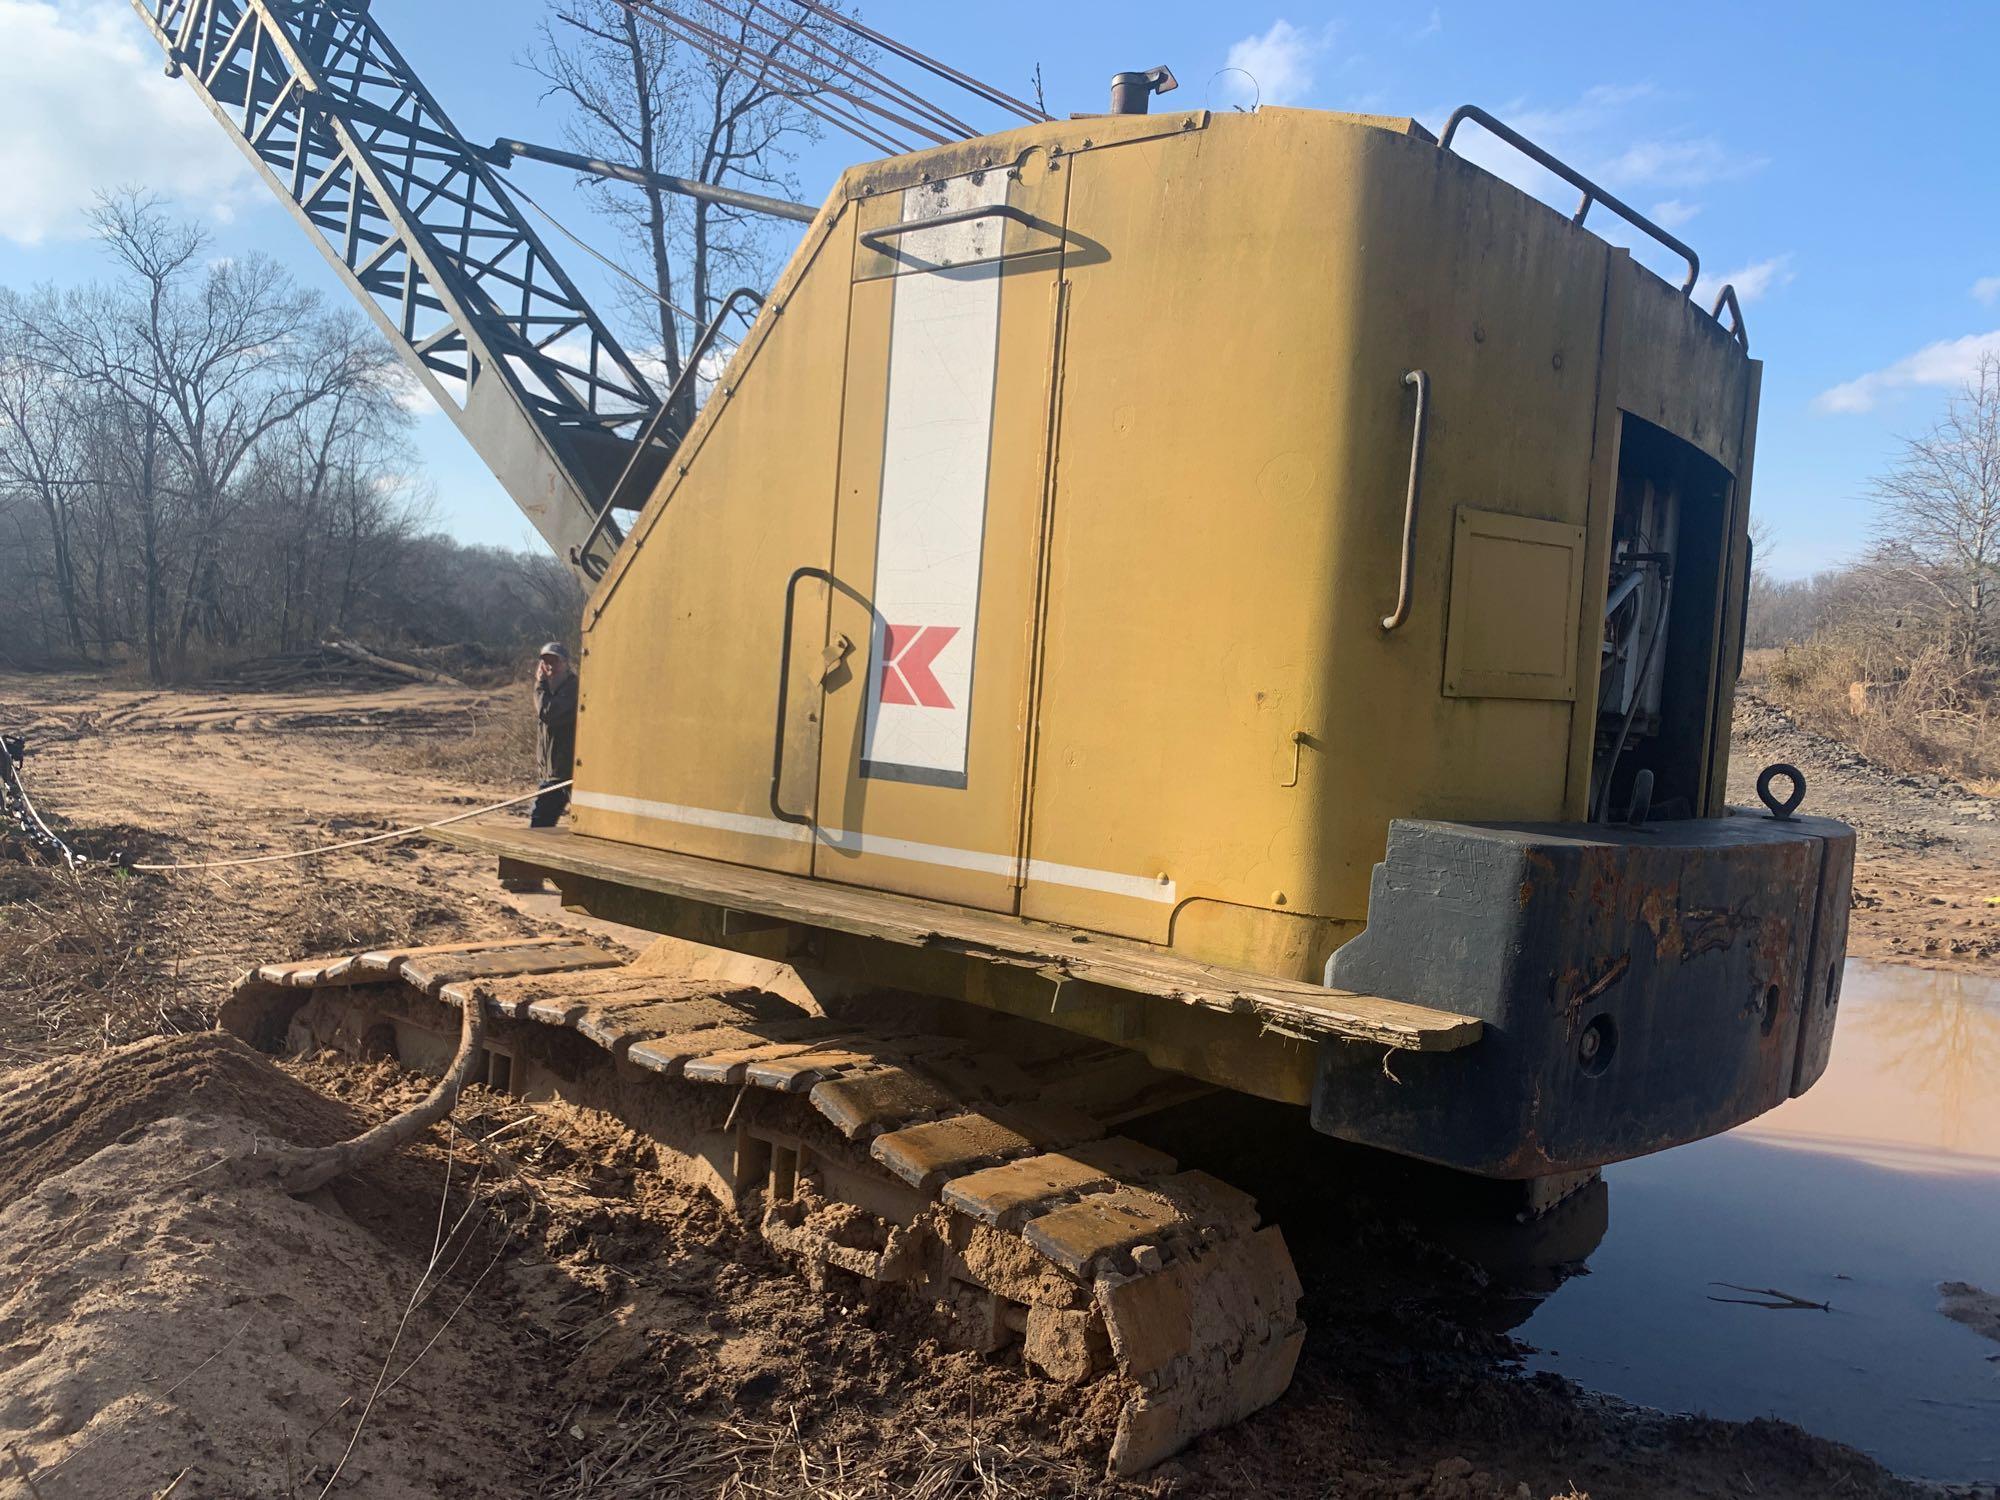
1622, 137
1278, 65
1593, 112
1947, 363
1578, 132
1676, 162
85, 106
1751, 281
1433, 26
411, 393
1986, 290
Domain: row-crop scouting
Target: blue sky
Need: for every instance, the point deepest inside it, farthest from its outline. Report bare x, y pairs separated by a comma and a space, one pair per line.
1835, 161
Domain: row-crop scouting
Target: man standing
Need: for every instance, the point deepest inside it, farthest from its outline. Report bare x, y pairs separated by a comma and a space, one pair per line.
555, 736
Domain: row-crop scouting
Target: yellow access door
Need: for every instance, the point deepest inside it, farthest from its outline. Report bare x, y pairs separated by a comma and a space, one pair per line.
939, 534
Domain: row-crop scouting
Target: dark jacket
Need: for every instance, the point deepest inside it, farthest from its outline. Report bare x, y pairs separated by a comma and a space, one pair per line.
555, 737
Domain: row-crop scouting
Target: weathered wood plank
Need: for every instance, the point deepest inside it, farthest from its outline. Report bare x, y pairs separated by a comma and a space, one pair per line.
1288, 1005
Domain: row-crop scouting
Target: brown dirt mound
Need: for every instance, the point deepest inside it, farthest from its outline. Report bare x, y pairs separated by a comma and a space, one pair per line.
163, 1328
58, 1114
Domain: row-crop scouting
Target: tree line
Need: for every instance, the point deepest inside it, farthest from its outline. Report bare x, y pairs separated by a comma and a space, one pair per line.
199, 458
1908, 633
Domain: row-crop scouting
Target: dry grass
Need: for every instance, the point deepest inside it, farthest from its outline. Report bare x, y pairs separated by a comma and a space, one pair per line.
90, 958
496, 748
1926, 714
655, 1447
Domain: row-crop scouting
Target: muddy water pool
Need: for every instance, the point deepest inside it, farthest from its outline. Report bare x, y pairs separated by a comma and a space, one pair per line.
1864, 1195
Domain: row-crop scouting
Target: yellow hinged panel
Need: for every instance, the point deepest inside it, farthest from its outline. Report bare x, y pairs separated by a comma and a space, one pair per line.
1511, 627
939, 537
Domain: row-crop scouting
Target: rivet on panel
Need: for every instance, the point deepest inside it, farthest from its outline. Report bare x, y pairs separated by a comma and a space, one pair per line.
1277, 898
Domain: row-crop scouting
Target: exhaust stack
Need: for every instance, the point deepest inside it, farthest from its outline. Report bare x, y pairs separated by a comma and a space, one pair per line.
1132, 93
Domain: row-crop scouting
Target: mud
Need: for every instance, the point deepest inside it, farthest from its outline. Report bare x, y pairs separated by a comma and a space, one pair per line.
1792, 1267
615, 1333
1975, 1307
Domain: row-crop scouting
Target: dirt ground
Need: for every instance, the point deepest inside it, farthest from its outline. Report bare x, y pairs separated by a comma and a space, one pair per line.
1927, 868
544, 1314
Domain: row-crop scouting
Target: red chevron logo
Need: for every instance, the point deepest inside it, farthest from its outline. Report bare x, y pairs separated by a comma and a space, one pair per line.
906, 670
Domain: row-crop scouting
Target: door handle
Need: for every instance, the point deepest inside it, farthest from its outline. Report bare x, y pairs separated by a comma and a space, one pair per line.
833, 657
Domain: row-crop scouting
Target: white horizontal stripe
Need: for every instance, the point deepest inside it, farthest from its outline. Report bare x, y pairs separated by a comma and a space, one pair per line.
1138, 887
697, 817
843, 841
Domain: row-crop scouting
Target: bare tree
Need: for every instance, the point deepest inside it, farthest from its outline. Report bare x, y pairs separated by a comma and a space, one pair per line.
194, 361
622, 78
1937, 519
641, 98
41, 451
331, 499
225, 355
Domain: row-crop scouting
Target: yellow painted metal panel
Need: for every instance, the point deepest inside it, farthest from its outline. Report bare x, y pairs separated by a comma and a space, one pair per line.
1606, 425
1516, 591
1687, 375
1225, 540
1736, 587
684, 639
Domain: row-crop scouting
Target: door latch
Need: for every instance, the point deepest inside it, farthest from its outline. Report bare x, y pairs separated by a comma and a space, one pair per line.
834, 658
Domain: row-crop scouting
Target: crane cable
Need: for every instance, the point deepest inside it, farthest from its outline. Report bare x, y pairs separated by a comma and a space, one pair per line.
862, 130
376, 838
846, 64
973, 86
716, 43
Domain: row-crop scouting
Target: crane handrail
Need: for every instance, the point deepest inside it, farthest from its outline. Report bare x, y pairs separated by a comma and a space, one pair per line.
1592, 193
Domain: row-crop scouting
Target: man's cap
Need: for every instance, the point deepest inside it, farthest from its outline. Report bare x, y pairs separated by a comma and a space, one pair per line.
555, 648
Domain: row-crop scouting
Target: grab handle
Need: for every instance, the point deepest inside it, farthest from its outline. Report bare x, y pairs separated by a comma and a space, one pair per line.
1592, 193
1411, 499
873, 238
785, 692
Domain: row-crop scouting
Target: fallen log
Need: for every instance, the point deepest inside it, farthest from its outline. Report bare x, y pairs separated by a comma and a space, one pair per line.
385, 664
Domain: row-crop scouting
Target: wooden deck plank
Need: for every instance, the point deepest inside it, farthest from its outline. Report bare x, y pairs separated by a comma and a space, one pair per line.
1291, 1005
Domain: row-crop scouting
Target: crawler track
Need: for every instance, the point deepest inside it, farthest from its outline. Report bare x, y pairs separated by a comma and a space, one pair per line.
973, 1173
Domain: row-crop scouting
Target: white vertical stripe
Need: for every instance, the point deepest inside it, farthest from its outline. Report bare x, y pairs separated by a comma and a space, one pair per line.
936, 449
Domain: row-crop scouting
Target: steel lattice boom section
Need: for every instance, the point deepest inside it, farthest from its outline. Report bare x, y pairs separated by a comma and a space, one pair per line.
412, 218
